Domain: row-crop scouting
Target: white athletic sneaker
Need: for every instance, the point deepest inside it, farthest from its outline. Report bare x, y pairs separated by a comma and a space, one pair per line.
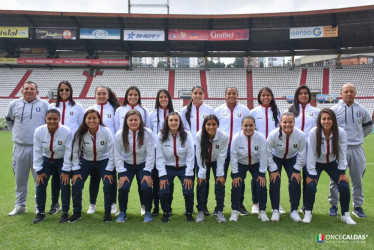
142, 210
113, 208
346, 218
281, 210
255, 209
234, 215
263, 216
91, 209
221, 217
18, 209
275, 215
200, 217
307, 216
295, 216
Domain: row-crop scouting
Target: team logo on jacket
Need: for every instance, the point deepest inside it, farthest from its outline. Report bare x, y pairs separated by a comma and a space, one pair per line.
256, 147
71, 113
217, 146
38, 109
359, 114
295, 146
239, 114
59, 142
109, 115
102, 143
311, 114
272, 119
183, 145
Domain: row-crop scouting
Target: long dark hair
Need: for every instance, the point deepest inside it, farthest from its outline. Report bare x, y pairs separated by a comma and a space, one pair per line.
273, 105
125, 130
335, 133
205, 142
189, 105
83, 129
58, 99
165, 129
295, 106
157, 105
126, 101
112, 97
280, 126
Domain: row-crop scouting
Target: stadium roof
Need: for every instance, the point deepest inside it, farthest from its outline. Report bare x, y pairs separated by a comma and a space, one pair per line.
269, 32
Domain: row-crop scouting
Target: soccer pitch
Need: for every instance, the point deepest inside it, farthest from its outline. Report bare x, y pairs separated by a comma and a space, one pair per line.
91, 233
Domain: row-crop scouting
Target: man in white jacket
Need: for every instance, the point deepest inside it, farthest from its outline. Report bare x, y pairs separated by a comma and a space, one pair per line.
23, 116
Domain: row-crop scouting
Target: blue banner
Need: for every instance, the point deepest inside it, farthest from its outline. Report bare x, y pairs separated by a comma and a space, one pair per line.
113, 34
327, 98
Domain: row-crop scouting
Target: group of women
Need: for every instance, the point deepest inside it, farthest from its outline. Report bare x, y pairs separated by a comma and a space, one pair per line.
117, 143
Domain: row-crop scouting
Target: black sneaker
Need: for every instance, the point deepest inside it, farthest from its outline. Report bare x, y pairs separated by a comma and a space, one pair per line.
39, 217
165, 218
206, 212
156, 211
333, 211
189, 217
107, 218
54, 209
74, 217
64, 218
243, 211
359, 212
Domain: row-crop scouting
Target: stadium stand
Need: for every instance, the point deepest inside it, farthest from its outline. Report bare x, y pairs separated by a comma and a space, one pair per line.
281, 81
149, 81
9, 79
46, 79
314, 78
360, 75
186, 79
219, 79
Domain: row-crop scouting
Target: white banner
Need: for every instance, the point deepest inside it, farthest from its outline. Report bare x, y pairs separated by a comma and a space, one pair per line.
306, 32
144, 35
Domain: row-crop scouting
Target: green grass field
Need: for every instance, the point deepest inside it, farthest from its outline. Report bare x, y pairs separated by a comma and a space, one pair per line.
91, 233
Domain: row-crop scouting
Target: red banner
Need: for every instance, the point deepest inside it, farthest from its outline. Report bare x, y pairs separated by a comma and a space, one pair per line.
109, 62
208, 35
228, 35
189, 35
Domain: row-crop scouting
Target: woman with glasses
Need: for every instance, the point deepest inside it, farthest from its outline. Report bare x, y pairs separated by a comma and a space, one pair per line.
72, 114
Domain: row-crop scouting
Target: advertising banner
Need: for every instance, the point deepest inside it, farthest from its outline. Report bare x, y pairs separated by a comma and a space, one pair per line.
109, 62
56, 33
188, 35
327, 98
290, 98
313, 32
113, 34
14, 32
4, 60
329, 31
208, 35
144, 35
228, 35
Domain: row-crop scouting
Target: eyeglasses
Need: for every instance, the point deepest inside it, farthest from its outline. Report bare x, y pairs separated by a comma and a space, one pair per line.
66, 90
